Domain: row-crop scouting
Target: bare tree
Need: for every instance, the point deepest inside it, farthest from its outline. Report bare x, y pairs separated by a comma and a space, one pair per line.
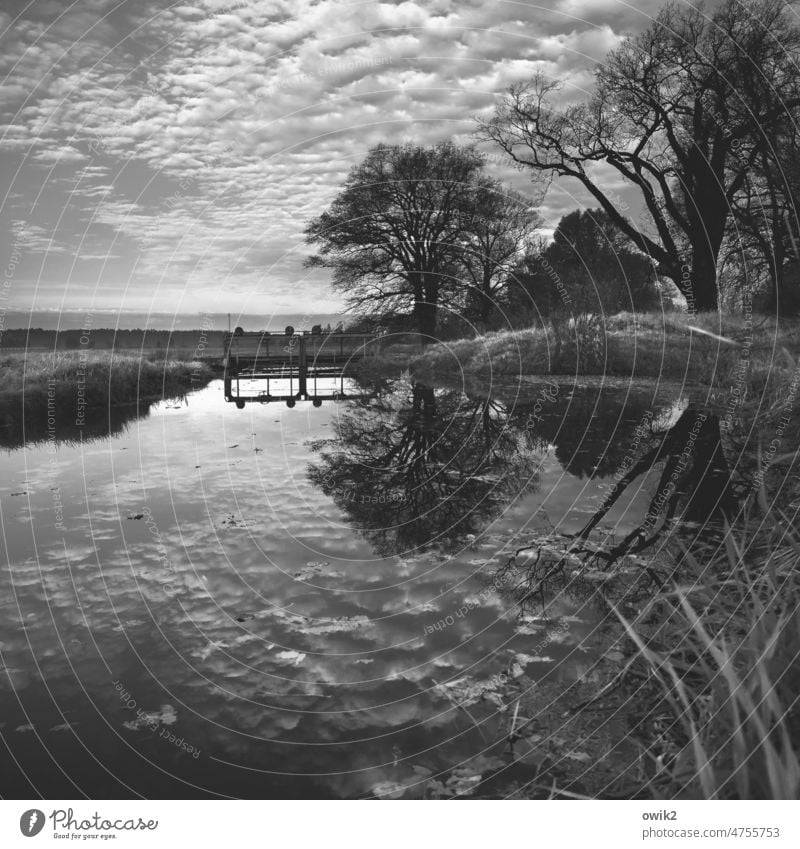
762, 237
498, 234
396, 231
681, 112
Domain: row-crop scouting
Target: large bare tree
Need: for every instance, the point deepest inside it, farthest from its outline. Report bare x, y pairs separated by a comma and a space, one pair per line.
762, 241
396, 232
681, 112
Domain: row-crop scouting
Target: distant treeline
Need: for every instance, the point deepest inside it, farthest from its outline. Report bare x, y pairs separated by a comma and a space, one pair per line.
192, 343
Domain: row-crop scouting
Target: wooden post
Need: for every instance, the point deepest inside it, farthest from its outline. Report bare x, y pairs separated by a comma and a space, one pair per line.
302, 369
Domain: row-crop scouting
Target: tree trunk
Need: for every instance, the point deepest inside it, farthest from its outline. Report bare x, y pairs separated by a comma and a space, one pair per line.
487, 303
425, 314
426, 310
707, 210
698, 282
704, 290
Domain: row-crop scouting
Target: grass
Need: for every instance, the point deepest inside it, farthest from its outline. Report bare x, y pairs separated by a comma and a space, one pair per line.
725, 655
705, 349
92, 380
695, 690
724, 663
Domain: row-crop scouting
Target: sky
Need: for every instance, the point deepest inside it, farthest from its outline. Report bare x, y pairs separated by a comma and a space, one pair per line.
166, 156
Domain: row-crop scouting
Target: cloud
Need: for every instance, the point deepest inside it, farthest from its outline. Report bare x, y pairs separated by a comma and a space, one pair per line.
57, 155
193, 142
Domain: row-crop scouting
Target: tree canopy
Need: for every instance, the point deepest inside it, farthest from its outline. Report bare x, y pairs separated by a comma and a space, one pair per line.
591, 266
394, 234
416, 228
681, 112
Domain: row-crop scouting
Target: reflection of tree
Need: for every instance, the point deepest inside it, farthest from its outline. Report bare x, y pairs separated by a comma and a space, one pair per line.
694, 486
20, 427
591, 429
637, 631
695, 481
419, 466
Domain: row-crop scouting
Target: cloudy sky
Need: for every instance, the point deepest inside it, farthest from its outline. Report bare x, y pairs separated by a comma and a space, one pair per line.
160, 156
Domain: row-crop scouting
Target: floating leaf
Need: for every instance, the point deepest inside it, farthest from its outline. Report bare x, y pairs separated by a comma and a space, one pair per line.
525, 659
293, 657
463, 785
389, 790
422, 771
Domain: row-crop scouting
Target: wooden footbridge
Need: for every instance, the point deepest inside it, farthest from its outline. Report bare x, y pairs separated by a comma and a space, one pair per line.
290, 366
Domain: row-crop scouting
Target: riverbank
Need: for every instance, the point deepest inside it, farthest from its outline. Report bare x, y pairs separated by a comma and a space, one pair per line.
702, 349
71, 386
693, 692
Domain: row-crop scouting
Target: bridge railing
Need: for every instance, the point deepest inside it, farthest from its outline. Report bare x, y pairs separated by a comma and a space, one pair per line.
264, 347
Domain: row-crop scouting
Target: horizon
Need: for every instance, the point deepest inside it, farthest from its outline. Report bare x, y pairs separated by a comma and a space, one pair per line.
132, 320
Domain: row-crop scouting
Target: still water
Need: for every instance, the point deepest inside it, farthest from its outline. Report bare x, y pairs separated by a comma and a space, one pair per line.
278, 602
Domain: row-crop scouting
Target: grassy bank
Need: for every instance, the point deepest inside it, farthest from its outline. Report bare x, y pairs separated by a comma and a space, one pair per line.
694, 691
72, 385
706, 349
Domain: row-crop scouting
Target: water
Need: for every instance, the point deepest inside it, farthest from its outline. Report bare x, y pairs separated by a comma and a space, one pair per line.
295, 602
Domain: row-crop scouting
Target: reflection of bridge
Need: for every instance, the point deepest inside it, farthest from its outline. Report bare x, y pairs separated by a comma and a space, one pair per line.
299, 359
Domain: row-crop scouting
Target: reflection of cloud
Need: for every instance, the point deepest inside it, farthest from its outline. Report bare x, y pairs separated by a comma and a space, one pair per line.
343, 660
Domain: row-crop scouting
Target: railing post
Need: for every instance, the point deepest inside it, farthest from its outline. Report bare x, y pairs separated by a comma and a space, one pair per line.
302, 368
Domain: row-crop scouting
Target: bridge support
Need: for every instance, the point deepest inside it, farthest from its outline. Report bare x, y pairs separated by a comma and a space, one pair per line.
295, 358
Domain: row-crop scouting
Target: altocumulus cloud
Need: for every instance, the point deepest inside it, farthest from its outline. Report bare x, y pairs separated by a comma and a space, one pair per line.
173, 152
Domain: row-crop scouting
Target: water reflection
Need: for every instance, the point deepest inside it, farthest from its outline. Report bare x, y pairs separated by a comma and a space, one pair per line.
301, 655
417, 466
58, 426
694, 485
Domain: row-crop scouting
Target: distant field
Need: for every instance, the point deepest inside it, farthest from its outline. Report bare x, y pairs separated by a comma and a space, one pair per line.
209, 352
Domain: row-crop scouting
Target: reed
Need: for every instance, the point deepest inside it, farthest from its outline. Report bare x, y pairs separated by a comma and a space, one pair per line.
92, 380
